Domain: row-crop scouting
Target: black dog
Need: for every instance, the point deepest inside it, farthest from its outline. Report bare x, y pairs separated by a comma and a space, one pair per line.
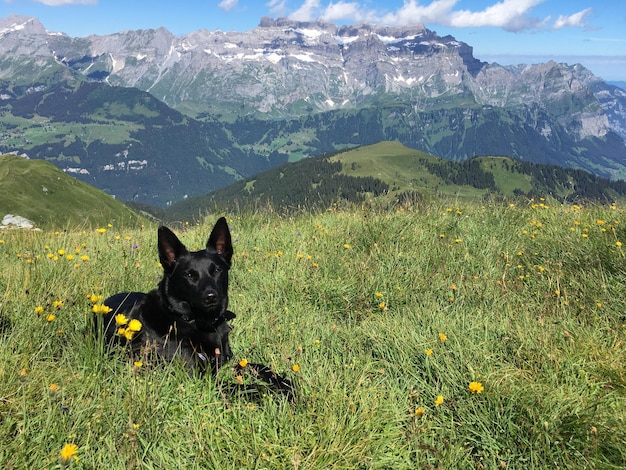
186, 315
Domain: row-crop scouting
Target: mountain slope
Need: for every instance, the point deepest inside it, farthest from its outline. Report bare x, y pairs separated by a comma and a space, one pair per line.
40, 192
389, 172
462, 131
124, 141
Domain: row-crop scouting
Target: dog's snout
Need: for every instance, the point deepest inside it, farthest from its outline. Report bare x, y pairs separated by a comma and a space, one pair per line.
211, 298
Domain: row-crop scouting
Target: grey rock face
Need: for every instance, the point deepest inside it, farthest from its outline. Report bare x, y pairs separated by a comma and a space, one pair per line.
288, 68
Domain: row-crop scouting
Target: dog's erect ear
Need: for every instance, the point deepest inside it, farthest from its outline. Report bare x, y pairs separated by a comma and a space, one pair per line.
219, 241
170, 248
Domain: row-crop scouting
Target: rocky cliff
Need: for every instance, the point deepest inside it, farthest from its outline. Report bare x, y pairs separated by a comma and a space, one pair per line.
287, 68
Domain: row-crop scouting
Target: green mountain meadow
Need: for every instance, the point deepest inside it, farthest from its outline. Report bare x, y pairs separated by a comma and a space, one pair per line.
447, 334
39, 191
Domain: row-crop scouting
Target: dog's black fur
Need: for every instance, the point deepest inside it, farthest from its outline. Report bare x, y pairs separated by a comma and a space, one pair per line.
186, 315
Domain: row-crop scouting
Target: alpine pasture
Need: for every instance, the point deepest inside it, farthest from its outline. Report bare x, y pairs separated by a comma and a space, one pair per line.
436, 335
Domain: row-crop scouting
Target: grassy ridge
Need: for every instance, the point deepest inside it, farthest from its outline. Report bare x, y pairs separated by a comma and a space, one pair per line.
406, 169
387, 173
382, 313
35, 189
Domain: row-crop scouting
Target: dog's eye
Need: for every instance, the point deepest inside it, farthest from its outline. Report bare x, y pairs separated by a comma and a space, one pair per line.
213, 269
189, 274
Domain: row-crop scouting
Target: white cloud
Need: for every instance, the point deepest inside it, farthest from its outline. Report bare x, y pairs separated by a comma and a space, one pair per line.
510, 15
57, 3
340, 10
577, 20
277, 8
227, 5
349, 11
307, 11
438, 11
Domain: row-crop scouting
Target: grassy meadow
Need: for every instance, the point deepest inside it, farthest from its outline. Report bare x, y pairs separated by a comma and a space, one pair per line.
436, 336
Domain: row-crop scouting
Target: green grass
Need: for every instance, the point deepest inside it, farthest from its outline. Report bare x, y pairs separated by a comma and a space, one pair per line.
402, 168
398, 166
507, 183
27, 133
530, 298
37, 190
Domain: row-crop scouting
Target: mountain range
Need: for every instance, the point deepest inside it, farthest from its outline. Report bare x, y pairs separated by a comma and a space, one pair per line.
154, 117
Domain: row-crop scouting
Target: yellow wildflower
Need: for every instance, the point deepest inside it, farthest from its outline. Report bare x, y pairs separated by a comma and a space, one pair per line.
476, 387
439, 400
419, 411
120, 319
68, 451
129, 334
101, 308
243, 362
134, 325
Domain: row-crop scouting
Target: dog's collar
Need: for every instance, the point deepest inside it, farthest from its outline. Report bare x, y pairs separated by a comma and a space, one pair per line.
210, 326
222, 318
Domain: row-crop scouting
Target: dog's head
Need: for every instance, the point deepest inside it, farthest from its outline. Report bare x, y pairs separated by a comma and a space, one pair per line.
195, 284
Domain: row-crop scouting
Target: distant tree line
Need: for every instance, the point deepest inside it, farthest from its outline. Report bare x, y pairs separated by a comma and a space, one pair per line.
468, 172
580, 184
312, 183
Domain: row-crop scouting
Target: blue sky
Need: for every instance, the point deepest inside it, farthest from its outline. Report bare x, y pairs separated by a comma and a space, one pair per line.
590, 32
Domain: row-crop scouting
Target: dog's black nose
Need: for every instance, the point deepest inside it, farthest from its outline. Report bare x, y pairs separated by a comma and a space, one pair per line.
211, 299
